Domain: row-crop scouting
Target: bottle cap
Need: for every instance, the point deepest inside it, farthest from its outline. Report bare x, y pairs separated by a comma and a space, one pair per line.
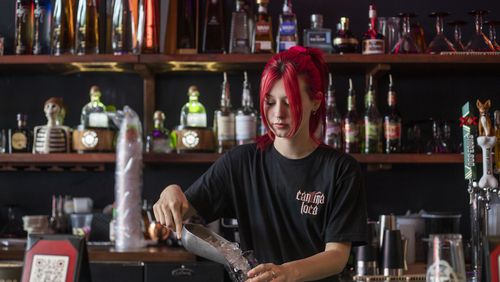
193, 90
95, 91
262, 1
159, 115
21, 116
344, 22
317, 18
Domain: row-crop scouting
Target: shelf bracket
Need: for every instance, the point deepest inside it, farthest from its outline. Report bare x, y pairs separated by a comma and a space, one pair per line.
376, 71
149, 98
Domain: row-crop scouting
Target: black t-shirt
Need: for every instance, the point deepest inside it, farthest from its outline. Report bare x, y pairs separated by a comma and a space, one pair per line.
287, 209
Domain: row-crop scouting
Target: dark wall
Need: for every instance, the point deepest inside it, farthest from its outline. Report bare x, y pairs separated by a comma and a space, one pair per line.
425, 93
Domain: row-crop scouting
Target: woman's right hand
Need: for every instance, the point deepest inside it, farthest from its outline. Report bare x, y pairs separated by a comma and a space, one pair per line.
172, 208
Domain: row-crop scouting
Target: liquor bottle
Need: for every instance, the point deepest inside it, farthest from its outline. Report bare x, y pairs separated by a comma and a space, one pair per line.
287, 32
41, 27
193, 113
372, 123
344, 41
239, 41
263, 33
213, 33
392, 122
373, 42
20, 138
246, 117
94, 113
123, 33
224, 120
187, 25
333, 122
351, 123
24, 19
63, 28
87, 29
317, 36
148, 35
158, 141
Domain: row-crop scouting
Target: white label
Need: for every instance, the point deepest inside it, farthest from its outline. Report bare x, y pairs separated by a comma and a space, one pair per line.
225, 128
98, 120
197, 120
246, 127
373, 46
264, 45
285, 45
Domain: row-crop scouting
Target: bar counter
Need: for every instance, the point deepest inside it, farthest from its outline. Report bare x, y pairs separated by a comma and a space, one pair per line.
108, 253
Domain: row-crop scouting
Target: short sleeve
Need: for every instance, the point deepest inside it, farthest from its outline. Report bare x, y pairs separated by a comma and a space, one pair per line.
209, 195
347, 221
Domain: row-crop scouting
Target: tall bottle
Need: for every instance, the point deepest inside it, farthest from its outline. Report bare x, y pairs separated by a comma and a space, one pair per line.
123, 33
148, 27
372, 123
392, 122
239, 41
158, 141
263, 33
20, 138
94, 113
87, 28
24, 20
246, 117
193, 113
373, 42
224, 120
41, 27
345, 42
186, 26
63, 28
351, 124
317, 36
333, 122
213, 31
287, 32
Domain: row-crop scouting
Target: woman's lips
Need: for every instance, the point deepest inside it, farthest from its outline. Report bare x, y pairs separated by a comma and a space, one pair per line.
280, 125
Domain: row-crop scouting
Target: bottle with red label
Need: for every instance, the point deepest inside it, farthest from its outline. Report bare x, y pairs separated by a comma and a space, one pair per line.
373, 42
392, 123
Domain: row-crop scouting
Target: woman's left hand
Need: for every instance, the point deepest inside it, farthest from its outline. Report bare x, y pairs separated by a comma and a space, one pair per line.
270, 272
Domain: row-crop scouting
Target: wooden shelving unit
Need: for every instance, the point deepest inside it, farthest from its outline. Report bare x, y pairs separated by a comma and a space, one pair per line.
147, 66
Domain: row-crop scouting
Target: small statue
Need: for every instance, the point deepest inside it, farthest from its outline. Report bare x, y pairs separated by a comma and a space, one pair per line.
484, 128
53, 137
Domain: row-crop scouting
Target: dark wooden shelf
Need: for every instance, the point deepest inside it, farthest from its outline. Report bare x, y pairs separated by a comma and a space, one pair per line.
206, 158
159, 63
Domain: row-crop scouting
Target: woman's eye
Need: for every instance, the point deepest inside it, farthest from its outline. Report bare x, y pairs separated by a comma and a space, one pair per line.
269, 103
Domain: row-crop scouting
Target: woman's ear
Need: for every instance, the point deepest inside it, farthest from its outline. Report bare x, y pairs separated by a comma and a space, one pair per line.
317, 101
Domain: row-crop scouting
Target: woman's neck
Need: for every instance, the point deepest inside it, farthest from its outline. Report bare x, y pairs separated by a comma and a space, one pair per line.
295, 148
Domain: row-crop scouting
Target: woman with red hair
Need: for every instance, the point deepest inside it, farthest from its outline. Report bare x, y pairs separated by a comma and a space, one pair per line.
300, 205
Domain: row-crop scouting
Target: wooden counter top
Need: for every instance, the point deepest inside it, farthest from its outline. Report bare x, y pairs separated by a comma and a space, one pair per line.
107, 253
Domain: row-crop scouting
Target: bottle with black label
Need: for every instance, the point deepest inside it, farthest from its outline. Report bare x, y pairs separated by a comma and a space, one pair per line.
344, 41
20, 138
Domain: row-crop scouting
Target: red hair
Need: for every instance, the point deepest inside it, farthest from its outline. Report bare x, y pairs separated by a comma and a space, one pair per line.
289, 65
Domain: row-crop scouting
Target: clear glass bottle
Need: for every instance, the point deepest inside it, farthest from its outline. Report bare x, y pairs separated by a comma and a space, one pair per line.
373, 42
372, 123
317, 36
87, 28
344, 41
246, 117
351, 124
193, 113
41, 27
63, 28
392, 122
94, 113
213, 32
224, 120
20, 138
148, 34
24, 19
123, 33
333, 122
263, 33
436, 145
158, 141
287, 31
239, 41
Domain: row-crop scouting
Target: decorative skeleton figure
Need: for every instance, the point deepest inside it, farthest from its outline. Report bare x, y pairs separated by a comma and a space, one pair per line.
53, 137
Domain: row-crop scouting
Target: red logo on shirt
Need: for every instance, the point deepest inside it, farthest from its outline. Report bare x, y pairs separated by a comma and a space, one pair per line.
310, 201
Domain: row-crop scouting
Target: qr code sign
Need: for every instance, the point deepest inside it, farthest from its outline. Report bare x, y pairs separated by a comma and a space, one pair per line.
49, 268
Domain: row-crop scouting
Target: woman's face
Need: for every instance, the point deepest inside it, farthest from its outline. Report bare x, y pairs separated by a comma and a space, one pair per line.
278, 112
